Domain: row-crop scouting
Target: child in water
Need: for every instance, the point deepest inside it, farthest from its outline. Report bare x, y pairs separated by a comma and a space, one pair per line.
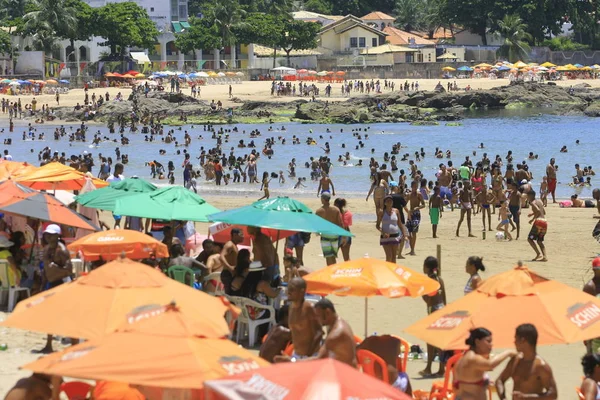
265, 185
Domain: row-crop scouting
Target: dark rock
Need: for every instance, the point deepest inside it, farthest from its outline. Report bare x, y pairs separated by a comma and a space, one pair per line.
593, 110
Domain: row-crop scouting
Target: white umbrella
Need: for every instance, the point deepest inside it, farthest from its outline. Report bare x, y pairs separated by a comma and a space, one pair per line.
240, 73
202, 74
542, 69
221, 74
322, 73
14, 84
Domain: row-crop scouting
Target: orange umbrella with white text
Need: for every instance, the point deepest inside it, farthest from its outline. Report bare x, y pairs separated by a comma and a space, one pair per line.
366, 277
161, 346
561, 313
109, 245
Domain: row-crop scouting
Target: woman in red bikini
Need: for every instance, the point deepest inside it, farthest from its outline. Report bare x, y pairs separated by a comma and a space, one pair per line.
470, 373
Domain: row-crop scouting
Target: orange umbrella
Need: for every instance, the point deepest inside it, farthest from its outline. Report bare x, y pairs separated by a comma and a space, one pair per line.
561, 313
14, 169
20, 200
221, 233
159, 347
111, 244
320, 379
56, 176
368, 277
98, 303
340, 73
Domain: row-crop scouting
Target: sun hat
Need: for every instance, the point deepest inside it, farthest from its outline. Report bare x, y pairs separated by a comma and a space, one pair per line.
53, 229
256, 266
4, 242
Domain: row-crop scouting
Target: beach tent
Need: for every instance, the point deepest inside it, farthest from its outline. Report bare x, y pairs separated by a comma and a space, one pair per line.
561, 313
99, 302
367, 277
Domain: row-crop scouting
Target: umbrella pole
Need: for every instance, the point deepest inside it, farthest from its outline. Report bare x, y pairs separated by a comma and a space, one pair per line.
277, 242
366, 316
439, 257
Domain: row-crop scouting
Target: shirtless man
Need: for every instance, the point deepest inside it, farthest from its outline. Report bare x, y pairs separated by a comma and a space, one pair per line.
539, 227
324, 184
551, 176
35, 387
230, 250
339, 343
593, 288
415, 203
445, 181
514, 205
330, 244
532, 376
466, 205
264, 251
278, 337
303, 322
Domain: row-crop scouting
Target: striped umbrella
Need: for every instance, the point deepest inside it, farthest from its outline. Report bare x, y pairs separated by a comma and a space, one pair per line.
19, 200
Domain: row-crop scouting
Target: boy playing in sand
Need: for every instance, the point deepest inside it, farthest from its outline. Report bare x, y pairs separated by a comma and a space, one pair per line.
435, 210
504, 220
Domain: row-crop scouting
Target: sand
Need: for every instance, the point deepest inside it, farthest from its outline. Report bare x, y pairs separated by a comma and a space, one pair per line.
570, 250
261, 91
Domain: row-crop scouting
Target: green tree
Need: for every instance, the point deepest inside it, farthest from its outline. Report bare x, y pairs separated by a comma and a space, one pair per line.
318, 6
51, 18
226, 15
263, 29
124, 25
12, 13
409, 14
200, 35
5, 42
516, 38
298, 35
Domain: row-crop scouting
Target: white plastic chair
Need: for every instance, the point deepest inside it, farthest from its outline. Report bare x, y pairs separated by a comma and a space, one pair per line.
6, 288
78, 266
241, 326
244, 319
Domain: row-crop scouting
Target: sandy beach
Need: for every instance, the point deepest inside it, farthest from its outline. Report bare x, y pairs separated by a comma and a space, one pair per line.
570, 249
261, 91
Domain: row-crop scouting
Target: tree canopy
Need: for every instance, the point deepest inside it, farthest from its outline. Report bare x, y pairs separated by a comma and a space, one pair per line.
201, 35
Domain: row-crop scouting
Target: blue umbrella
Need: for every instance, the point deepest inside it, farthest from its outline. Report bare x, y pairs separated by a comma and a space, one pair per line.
465, 68
503, 68
182, 76
193, 75
24, 82
64, 81
579, 65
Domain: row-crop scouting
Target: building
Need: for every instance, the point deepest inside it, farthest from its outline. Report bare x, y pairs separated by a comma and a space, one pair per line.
468, 38
378, 20
349, 35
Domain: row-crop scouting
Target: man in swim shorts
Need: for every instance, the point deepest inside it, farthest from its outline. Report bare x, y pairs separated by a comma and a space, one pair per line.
539, 227
551, 176
445, 181
330, 244
416, 202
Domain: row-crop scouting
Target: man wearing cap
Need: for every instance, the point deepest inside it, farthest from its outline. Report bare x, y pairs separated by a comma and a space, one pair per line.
330, 244
55, 255
593, 288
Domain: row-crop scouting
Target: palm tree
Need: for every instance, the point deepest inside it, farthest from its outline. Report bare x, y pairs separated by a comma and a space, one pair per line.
56, 17
433, 16
516, 38
46, 41
227, 14
11, 12
409, 14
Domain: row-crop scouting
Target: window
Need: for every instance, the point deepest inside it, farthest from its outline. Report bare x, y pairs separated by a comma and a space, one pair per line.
174, 10
353, 42
429, 57
374, 42
362, 42
420, 57
151, 9
409, 57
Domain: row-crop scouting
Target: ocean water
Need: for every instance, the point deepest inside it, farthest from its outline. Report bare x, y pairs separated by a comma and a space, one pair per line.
500, 132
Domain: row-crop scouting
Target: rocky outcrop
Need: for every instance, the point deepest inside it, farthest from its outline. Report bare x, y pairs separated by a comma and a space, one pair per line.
593, 110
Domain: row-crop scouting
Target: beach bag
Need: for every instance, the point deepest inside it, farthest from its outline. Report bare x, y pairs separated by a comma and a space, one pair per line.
596, 232
55, 273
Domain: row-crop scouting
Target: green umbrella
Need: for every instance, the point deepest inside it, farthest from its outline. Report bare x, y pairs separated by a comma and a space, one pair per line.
280, 213
168, 203
106, 198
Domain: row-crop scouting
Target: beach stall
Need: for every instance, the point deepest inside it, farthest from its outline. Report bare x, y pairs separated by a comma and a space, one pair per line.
367, 277
99, 302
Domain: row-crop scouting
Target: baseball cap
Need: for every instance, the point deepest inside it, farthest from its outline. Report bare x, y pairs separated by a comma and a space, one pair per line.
53, 229
596, 263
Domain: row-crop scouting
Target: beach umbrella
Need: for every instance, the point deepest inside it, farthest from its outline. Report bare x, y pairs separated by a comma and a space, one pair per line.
182, 76
319, 379
281, 213
106, 197
162, 346
562, 69
586, 68
5, 81
56, 176
221, 74
109, 74
139, 76
14, 83
367, 277
239, 73
519, 64
548, 64
127, 76
132, 72
341, 73
311, 72
322, 73
596, 66
51, 82
483, 66
578, 66
561, 313
465, 68
22, 82
109, 245
221, 233
449, 69
543, 69
330, 72
203, 74
14, 169
229, 73
168, 203
302, 71
42, 206
64, 81
99, 302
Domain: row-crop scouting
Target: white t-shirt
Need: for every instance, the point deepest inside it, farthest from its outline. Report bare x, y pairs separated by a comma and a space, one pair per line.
113, 178
8, 157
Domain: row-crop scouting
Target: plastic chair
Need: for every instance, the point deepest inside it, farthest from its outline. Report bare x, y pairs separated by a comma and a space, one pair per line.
78, 267
76, 390
367, 361
245, 321
219, 288
241, 328
181, 274
402, 362
441, 390
6, 288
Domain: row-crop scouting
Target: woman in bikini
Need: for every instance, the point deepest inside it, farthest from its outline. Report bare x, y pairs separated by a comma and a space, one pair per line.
477, 181
379, 188
435, 301
470, 373
474, 265
497, 187
590, 387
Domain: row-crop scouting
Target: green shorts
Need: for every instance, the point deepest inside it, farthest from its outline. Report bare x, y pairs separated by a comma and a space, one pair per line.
330, 245
434, 215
